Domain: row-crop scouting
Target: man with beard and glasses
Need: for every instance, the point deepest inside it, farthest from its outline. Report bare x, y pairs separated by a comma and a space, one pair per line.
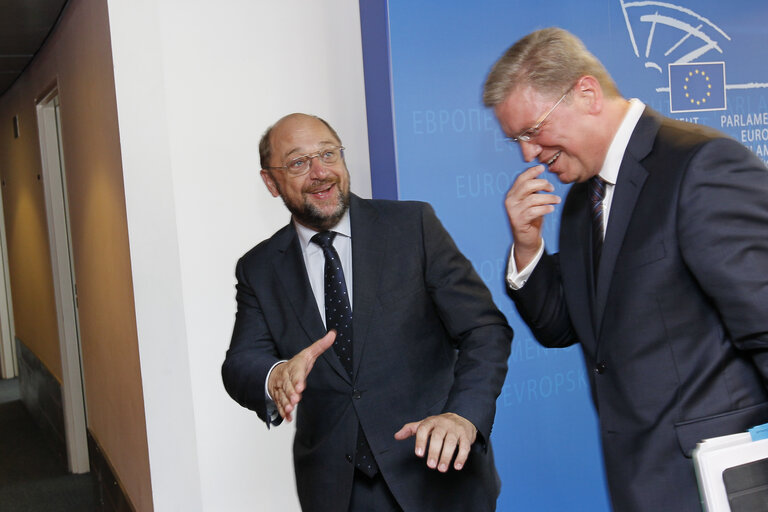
366, 312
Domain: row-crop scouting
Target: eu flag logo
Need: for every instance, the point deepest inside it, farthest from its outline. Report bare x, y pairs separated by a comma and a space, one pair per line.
697, 86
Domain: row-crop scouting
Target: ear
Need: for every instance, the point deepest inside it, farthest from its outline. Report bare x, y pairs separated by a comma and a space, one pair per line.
269, 181
589, 91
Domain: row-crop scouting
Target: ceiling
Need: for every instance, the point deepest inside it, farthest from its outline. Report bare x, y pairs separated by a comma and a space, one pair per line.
24, 27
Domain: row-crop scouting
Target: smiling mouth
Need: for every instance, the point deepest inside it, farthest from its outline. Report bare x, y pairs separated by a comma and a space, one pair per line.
554, 157
322, 190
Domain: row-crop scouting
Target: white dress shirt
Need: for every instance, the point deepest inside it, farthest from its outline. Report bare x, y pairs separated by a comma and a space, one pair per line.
314, 261
609, 173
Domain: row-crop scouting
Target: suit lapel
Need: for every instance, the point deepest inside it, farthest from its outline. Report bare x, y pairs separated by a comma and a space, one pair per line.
632, 176
289, 267
368, 248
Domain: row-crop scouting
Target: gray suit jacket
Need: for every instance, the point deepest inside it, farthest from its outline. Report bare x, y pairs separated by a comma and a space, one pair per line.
427, 339
675, 334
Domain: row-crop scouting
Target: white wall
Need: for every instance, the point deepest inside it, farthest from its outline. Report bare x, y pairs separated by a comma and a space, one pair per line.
197, 83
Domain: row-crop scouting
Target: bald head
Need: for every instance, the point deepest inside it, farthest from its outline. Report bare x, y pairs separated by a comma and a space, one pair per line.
284, 129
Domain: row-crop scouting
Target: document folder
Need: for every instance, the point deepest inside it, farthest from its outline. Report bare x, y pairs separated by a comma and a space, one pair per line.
747, 486
732, 472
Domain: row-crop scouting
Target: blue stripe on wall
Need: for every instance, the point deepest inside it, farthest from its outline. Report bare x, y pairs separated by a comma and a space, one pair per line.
374, 24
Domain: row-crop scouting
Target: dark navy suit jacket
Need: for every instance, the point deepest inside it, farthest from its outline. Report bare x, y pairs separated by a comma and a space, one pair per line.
675, 333
427, 339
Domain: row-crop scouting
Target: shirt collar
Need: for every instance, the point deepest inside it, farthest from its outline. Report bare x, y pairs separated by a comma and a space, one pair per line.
610, 170
305, 234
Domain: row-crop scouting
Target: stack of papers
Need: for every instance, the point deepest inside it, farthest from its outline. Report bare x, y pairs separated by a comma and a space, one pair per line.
733, 471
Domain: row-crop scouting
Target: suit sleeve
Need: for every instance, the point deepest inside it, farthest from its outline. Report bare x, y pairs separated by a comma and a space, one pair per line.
542, 306
723, 233
252, 352
480, 331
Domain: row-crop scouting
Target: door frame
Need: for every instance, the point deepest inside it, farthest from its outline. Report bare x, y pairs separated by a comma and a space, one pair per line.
9, 364
64, 283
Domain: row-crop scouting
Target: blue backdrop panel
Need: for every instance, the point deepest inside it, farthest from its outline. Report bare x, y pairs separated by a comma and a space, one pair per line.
702, 61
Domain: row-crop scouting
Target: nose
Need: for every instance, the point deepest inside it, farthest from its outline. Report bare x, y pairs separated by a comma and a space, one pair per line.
530, 150
316, 168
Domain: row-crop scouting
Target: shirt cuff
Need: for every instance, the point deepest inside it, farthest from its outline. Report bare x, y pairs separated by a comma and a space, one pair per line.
515, 279
272, 412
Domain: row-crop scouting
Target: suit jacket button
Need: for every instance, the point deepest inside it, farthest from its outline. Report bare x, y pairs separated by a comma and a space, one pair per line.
348, 457
356, 394
600, 368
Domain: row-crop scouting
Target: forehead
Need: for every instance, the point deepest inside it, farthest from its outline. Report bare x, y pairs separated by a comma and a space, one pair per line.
298, 135
521, 109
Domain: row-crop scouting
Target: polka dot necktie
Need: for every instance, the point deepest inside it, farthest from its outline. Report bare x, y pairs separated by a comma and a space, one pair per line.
596, 196
338, 316
338, 313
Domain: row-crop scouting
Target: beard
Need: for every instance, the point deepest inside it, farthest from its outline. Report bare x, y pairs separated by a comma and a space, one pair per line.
311, 216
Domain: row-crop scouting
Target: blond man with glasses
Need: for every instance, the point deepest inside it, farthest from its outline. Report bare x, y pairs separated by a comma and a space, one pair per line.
662, 270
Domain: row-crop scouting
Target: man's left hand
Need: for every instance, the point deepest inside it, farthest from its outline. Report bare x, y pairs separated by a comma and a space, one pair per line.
444, 433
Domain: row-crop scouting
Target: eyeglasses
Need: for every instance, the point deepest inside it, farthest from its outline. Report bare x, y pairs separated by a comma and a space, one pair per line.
301, 164
532, 132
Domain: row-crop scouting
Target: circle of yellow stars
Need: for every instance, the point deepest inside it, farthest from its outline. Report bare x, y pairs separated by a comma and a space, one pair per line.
692, 74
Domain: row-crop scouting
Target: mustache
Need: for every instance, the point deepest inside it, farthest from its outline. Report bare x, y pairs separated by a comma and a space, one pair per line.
317, 186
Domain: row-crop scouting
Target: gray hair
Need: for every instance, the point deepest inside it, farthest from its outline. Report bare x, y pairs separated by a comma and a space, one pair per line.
550, 60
